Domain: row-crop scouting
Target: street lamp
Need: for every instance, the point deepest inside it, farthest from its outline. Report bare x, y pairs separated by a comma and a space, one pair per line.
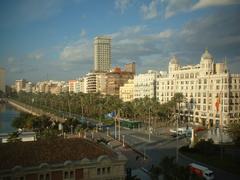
71, 129
123, 140
107, 131
92, 135
177, 117
177, 142
144, 154
149, 128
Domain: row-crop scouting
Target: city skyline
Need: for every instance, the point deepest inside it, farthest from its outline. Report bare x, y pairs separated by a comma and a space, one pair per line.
54, 39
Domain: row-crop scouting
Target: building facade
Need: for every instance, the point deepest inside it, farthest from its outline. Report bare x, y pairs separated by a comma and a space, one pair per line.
2, 80
81, 85
130, 67
96, 82
102, 54
72, 86
145, 84
53, 87
60, 159
20, 85
116, 79
126, 91
211, 92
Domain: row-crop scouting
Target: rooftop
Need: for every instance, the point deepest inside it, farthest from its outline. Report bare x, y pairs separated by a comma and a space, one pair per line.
54, 151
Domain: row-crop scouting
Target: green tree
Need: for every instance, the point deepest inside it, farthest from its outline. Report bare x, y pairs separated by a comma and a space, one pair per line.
170, 170
233, 130
14, 137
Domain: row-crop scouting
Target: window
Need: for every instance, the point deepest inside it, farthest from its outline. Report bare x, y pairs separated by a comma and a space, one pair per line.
44, 176
109, 170
66, 175
98, 171
71, 174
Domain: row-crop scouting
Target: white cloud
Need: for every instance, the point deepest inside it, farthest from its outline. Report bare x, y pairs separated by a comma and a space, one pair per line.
122, 4
173, 7
150, 11
10, 60
136, 42
80, 51
83, 33
163, 34
128, 31
206, 3
35, 55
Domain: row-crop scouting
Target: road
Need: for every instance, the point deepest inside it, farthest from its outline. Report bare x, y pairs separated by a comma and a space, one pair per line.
155, 150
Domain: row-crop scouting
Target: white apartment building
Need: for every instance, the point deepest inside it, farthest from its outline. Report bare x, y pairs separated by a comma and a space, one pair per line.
102, 54
126, 91
77, 86
81, 85
28, 87
96, 82
204, 85
20, 85
2, 80
145, 84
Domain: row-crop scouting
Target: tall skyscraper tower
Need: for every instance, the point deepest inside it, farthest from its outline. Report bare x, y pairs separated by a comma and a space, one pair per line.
102, 53
2, 79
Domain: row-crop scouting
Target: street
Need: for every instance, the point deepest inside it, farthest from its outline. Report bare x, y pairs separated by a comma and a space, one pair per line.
147, 153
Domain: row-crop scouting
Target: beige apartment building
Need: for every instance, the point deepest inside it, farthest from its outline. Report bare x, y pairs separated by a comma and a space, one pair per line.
211, 92
117, 78
53, 87
102, 54
126, 91
72, 86
2, 80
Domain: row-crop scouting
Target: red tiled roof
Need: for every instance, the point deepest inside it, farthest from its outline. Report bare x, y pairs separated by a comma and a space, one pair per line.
49, 151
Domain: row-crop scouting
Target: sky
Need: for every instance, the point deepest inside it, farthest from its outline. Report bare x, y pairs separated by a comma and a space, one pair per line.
53, 39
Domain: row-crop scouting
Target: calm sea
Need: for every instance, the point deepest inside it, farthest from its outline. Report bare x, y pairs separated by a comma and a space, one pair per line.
7, 114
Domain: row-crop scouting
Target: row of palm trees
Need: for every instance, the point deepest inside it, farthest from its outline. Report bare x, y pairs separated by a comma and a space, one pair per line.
96, 106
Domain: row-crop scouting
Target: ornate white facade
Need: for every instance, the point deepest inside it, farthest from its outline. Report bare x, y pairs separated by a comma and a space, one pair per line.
145, 84
203, 85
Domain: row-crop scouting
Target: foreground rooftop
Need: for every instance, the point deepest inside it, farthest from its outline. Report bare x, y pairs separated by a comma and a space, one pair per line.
55, 151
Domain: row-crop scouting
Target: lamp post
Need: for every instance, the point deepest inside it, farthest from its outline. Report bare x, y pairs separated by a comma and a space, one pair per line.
149, 130
71, 129
107, 131
92, 135
177, 142
123, 144
144, 153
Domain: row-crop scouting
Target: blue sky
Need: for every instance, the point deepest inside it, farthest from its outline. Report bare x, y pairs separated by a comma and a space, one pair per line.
53, 39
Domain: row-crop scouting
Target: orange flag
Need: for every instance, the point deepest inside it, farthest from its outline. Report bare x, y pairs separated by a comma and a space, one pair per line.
217, 103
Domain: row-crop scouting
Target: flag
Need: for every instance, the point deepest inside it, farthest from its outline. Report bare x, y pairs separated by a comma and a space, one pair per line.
217, 103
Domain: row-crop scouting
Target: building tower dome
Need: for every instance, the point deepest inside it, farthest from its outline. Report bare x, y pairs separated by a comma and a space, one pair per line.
207, 63
174, 60
173, 64
206, 56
